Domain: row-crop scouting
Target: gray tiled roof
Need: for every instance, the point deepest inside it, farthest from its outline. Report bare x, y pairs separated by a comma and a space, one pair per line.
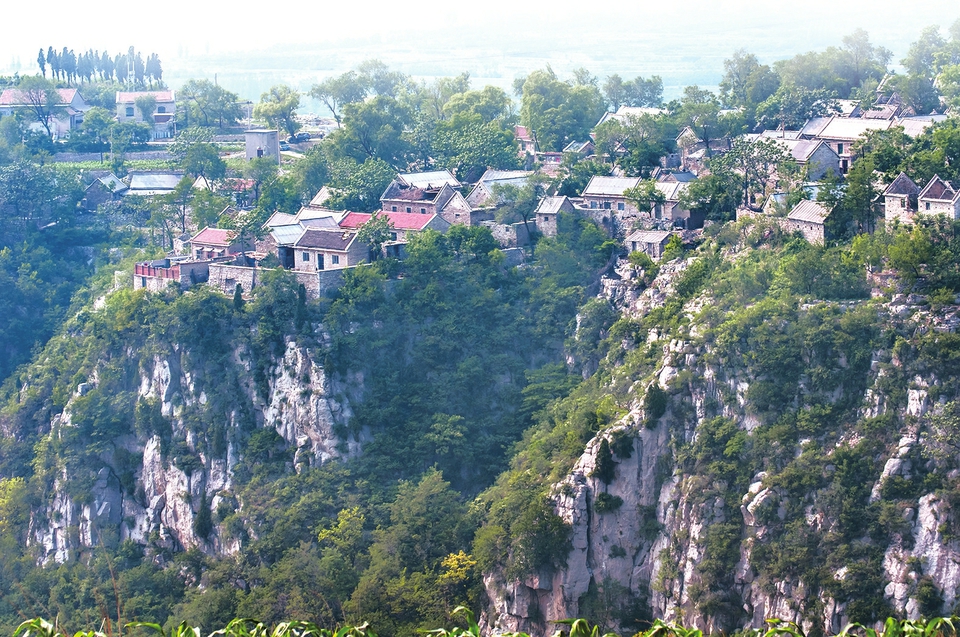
809, 211
330, 240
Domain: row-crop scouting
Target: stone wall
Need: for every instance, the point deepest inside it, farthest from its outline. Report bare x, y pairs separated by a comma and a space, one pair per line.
225, 278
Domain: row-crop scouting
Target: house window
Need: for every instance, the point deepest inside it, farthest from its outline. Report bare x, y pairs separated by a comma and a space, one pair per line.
393, 236
320, 261
409, 209
161, 109
927, 204
393, 208
306, 257
840, 149
335, 259
606, 205
423, 211
593, 205
619, 205
129, 111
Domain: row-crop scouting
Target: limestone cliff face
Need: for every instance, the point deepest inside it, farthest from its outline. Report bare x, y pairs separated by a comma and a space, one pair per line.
163, 503
653, 545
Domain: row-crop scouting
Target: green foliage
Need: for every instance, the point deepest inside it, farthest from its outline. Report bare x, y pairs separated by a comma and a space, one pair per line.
654, 405
605, 468
605, 503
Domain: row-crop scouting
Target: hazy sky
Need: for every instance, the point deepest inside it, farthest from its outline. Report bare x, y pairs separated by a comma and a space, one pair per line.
638, 37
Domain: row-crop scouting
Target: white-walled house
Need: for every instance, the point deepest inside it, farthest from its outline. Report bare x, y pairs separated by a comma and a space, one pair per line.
162, 119
71, 102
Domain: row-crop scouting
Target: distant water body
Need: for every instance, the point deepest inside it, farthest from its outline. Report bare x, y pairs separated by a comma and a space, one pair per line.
684, 44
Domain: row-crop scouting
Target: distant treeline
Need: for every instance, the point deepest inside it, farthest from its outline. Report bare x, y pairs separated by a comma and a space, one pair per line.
91, 65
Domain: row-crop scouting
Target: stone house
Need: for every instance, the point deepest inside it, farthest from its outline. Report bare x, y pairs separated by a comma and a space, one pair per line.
817, 156
545, 215
809, 218
481, 196
427, 193
606, 193
162, 120
652, 242
694, 151
840, 133
74, 106
671, 210
157, 275
324, 249
403, 224
211, 243
102, 189
939, 197
900, 199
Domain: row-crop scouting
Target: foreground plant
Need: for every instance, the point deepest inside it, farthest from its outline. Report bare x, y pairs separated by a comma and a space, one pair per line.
245, 627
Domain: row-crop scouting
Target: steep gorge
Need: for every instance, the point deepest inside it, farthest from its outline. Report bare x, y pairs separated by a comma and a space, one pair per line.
803, 466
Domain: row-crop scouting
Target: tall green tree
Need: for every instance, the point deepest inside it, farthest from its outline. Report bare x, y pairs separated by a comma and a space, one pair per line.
373, 130
336, 92
278, 107
203, 160
41, 101
208, 104
559, 112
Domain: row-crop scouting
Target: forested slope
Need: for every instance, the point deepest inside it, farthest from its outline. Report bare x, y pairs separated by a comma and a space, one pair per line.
188, 455
761, 439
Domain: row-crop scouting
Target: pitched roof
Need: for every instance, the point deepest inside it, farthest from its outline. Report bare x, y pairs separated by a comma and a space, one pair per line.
781, 134
809, 211
800, 150
154, 181
111, 182
14, 96
214, 236
846, 128
814, 126
325, 239
681, 176
847, 106
428, 180
321, 197
491, 176
320, 222
672, 189
649, 236
914, 126
287, 234
551, 205
355, 219
399, 220
609, 186
629, 111
280, 219
578, 147
938, 189
522, 133
902, 185
128, 97
306, 213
